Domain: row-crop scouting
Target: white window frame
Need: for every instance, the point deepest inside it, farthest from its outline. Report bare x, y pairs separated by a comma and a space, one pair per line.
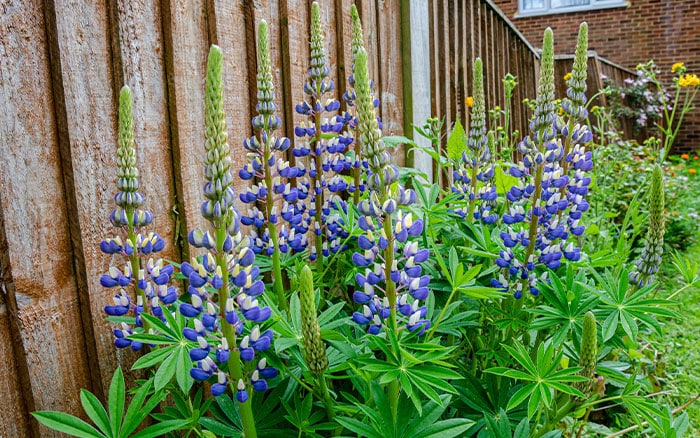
548, 10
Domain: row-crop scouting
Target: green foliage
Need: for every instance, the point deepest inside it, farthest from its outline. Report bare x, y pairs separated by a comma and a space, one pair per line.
488, 364
117, 420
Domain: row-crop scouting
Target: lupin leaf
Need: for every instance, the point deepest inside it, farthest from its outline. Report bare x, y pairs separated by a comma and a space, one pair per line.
456, 142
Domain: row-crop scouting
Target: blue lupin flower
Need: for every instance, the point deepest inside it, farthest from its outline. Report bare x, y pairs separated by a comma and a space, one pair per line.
392, 284
151, 281
223, 283
322, 143
473, 174
546, 204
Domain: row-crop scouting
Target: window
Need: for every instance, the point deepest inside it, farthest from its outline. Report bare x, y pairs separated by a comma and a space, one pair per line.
528, 8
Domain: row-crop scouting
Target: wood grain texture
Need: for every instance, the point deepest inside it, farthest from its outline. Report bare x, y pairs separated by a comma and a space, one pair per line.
39, 282
13, 417
390, 84
186, 48
228, 29
84, 93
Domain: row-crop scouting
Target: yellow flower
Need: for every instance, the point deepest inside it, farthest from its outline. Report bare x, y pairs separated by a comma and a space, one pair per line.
567, 76
677, 66
692, 171
469, 101
594, 108
689, 80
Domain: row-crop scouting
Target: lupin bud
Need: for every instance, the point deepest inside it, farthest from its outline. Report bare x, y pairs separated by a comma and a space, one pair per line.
314, 349
589, 353
477, 120
368, 127
650, 259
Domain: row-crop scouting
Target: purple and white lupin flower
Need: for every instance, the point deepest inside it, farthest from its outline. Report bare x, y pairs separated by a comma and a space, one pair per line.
546, 205
149, 277
272, 173
326, 156
224, 311
392, 285
474, 173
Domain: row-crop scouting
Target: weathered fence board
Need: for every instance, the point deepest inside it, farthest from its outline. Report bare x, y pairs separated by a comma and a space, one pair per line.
39, 284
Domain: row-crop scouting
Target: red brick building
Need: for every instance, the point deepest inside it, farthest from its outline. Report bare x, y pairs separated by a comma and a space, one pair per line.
627, 32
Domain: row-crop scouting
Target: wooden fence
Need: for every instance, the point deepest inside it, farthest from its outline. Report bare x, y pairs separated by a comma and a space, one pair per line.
62, 65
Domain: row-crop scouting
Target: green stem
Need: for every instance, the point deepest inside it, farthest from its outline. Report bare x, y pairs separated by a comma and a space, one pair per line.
229, 332
326, 396
136, 265
357, 171
278, 283
441, 315
318, 197
391, 296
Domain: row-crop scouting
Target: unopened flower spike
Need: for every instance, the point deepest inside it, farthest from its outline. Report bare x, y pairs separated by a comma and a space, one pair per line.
648, 263
392, 285
314, 349
141, 272
321, 140
360, 163
473, 175
224, 284
589, 354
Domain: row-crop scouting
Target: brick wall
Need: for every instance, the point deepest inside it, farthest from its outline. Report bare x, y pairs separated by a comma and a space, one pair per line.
666, 31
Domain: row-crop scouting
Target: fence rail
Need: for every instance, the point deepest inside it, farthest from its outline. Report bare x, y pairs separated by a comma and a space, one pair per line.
63, 64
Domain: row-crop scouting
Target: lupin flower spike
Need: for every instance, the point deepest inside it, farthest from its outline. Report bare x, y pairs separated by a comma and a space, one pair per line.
225, 271
547, 202
392, 263
149, 278
326, 156
314, 349
273, 172
651, 256
475, 171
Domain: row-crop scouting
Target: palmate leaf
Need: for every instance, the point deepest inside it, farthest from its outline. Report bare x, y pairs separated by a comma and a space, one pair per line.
543, 374
622, 306
95, 411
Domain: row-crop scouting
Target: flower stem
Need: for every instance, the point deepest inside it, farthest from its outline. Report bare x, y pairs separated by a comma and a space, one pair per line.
391, 297
278, 283
318, 197
234, 362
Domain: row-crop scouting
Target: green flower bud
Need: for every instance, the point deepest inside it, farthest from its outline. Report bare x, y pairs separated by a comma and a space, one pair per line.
650, 259
314, 349
589, 350
127, 173
357, 40
477, 121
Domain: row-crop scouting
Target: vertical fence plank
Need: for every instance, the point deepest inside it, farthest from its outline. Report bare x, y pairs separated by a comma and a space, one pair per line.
87, 129
13, 416
390, 79
229, 30
186, 48
38, 278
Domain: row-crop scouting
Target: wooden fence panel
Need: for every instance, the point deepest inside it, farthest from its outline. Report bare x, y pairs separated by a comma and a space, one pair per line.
39, 284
